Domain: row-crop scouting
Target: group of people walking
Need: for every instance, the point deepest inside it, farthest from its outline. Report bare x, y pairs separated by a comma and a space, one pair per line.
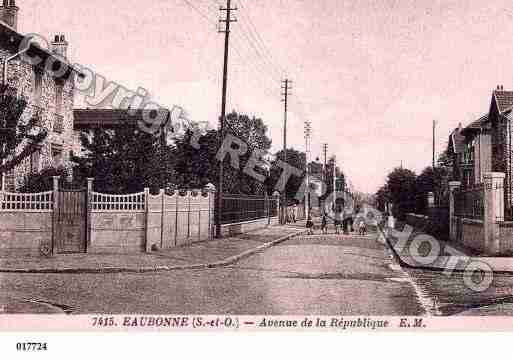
340, 223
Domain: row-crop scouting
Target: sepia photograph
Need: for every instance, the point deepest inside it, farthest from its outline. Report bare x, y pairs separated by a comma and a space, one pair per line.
255, 165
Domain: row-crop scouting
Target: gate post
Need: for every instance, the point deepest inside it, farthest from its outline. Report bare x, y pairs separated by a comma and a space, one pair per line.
55, 213
211, 190
147, 220
276, 199
493, 210
89, 224
453, 224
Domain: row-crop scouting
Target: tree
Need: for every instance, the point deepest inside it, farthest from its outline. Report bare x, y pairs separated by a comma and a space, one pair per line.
199, 166
402, 193
340, 178
431, 180
196, 167
382, 198
43, 181
124, 160
296, 159
18, 137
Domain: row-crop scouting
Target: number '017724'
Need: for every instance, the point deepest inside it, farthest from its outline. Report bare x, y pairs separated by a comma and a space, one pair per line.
31, 347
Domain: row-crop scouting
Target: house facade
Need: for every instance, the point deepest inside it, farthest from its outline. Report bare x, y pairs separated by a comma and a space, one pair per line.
471, 150
87, 120
49, 95
500, 119
485, 145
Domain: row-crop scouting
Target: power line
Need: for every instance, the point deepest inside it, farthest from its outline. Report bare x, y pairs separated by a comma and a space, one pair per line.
261, 68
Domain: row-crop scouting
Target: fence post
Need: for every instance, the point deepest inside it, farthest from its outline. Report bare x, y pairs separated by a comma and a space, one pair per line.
89, 216
276, 198
162, 217
493, 210
146, 219
211, 190
55, 213
453, 186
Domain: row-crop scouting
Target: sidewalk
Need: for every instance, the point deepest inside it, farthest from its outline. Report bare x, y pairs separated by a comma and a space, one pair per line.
451, 257
208, 254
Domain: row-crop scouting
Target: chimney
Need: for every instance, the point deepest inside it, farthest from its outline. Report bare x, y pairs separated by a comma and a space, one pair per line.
60, 45
9, 13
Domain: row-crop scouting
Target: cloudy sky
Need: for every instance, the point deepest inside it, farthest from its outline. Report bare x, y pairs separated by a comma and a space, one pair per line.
371, 76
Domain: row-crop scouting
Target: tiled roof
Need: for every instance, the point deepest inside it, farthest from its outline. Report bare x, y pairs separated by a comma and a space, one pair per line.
107, 118
457, 140
504, 99
475, 125
15, 39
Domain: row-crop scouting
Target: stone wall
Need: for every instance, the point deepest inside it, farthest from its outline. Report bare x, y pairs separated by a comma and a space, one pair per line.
472, 234
21, 75
24, 234
506, 237
117, 232
115, 224
25, 224
234, 229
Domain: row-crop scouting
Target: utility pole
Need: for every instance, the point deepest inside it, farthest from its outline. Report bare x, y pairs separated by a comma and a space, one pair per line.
325, 172
286, 87
308, 132
219, 187
335, 182
434, 132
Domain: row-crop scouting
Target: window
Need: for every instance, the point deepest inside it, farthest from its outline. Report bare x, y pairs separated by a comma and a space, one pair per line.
38, 87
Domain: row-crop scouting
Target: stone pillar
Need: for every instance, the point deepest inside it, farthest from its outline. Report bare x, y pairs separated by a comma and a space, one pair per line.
431, 200
89, 217
493, 210
453, 186
147, 219
276, 198
211, 189
55, 213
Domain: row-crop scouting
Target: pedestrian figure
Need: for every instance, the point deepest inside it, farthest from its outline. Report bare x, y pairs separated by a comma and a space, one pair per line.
310, 225
324, 224
362, 228
294, 212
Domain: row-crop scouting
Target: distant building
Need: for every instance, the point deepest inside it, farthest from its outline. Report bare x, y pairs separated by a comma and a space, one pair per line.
86, 120
50, 98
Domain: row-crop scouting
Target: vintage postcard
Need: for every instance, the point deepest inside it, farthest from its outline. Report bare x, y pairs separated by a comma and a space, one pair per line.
255, 165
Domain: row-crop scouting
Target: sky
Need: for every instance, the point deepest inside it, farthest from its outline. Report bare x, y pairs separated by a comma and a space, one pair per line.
370, 76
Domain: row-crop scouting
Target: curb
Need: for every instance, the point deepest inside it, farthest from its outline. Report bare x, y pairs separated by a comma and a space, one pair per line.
404, 264
113, 270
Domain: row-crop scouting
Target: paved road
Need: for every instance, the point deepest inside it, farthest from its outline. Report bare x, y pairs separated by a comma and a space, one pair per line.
325, 275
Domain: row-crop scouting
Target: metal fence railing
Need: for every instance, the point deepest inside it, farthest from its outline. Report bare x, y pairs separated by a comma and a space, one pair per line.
469, 203
242, 208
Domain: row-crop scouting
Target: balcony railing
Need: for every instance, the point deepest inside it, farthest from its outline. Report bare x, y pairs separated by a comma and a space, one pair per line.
58, 124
